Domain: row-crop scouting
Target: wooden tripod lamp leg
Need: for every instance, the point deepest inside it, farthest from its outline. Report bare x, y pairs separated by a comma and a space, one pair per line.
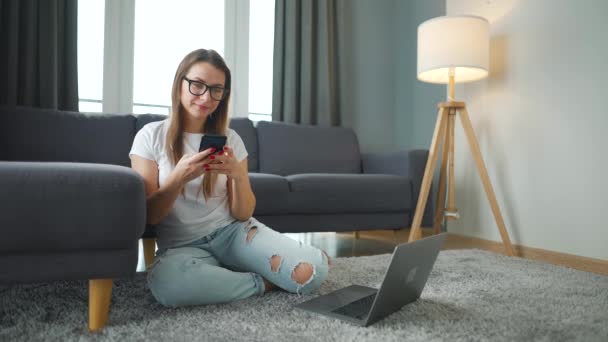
451, 213
485, 179
442, 184
427, 179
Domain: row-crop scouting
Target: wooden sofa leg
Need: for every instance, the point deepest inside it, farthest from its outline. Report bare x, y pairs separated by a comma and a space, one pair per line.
149, 250
100, 293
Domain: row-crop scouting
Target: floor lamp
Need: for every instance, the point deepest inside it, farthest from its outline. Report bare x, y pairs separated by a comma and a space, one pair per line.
453, 49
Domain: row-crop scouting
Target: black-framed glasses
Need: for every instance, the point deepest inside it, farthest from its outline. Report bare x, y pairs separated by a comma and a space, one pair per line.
198, 88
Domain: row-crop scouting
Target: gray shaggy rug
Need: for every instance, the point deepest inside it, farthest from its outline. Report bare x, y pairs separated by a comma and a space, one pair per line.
471, 295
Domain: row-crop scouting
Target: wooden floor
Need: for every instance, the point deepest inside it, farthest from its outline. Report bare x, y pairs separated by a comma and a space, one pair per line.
374, 242
383, 241
370, 242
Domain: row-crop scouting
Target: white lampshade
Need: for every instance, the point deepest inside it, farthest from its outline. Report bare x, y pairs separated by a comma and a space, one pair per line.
458, 42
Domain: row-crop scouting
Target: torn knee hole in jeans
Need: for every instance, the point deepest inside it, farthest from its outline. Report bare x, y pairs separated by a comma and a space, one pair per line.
303, 273
275, 263
251, 233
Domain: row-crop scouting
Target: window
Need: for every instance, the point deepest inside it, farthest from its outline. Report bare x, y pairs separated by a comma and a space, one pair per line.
90, 54
261, 46
163, 33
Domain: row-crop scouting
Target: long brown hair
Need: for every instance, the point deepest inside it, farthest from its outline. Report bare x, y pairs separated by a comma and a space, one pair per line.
216, 123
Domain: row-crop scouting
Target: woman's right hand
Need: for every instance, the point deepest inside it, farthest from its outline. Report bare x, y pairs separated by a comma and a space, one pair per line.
190, 166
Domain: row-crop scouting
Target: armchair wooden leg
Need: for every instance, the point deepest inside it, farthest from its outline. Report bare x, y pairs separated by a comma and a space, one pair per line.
149, 250
100, 293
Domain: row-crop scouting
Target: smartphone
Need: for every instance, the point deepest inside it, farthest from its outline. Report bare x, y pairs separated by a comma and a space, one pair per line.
212, 140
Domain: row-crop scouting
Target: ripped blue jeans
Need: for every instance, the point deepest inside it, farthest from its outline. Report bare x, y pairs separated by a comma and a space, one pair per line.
231, 263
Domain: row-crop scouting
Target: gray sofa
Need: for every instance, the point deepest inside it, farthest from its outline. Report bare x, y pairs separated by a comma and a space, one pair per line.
314, 179
71, 207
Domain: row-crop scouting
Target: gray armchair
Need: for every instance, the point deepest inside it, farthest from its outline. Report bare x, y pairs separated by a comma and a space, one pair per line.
62, 215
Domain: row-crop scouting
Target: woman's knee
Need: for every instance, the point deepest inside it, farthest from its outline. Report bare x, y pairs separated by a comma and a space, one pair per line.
303, 273
168, 280
308, 276
163, 289
162, 280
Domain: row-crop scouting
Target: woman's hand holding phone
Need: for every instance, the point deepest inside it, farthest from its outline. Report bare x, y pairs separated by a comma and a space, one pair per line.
191, 166
225, 163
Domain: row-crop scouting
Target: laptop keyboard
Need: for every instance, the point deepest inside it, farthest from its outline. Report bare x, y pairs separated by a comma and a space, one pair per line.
357, 309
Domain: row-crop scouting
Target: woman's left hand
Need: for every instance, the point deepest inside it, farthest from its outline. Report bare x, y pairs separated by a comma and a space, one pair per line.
225, 163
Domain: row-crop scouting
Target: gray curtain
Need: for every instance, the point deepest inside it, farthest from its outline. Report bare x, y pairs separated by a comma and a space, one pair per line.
38, 59
305, 70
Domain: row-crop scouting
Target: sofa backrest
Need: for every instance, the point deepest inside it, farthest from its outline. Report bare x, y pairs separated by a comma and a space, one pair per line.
286, 149
34, 134
244, 127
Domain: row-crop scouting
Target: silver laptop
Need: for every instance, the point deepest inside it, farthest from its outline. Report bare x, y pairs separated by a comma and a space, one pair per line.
403, 282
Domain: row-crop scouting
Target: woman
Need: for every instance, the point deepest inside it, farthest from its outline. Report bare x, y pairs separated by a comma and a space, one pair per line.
210, 248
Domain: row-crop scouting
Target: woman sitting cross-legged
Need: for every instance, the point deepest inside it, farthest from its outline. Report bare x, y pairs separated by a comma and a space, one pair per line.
210, 248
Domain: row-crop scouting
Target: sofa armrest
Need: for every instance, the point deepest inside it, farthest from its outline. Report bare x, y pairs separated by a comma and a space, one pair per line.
48, 206
408, 163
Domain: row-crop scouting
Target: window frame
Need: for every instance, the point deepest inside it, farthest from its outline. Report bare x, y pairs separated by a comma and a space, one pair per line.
118, 60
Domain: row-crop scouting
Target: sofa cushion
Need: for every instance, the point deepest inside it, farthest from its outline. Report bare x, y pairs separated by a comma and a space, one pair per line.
271, 193
286, 149
348, 193
48, 206
34, 134
304, 223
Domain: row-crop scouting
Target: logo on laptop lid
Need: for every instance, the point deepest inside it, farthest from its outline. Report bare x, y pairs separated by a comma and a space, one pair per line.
411, 275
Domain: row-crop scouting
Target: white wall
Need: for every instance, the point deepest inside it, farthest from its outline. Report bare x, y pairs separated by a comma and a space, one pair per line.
366, 56
541, 120
415, 101
370, 56
387, 107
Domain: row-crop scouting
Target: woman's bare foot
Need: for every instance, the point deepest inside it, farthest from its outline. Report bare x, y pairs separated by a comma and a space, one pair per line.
268, 286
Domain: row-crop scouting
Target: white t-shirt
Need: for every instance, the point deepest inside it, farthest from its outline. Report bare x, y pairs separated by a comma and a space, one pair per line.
191, 217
